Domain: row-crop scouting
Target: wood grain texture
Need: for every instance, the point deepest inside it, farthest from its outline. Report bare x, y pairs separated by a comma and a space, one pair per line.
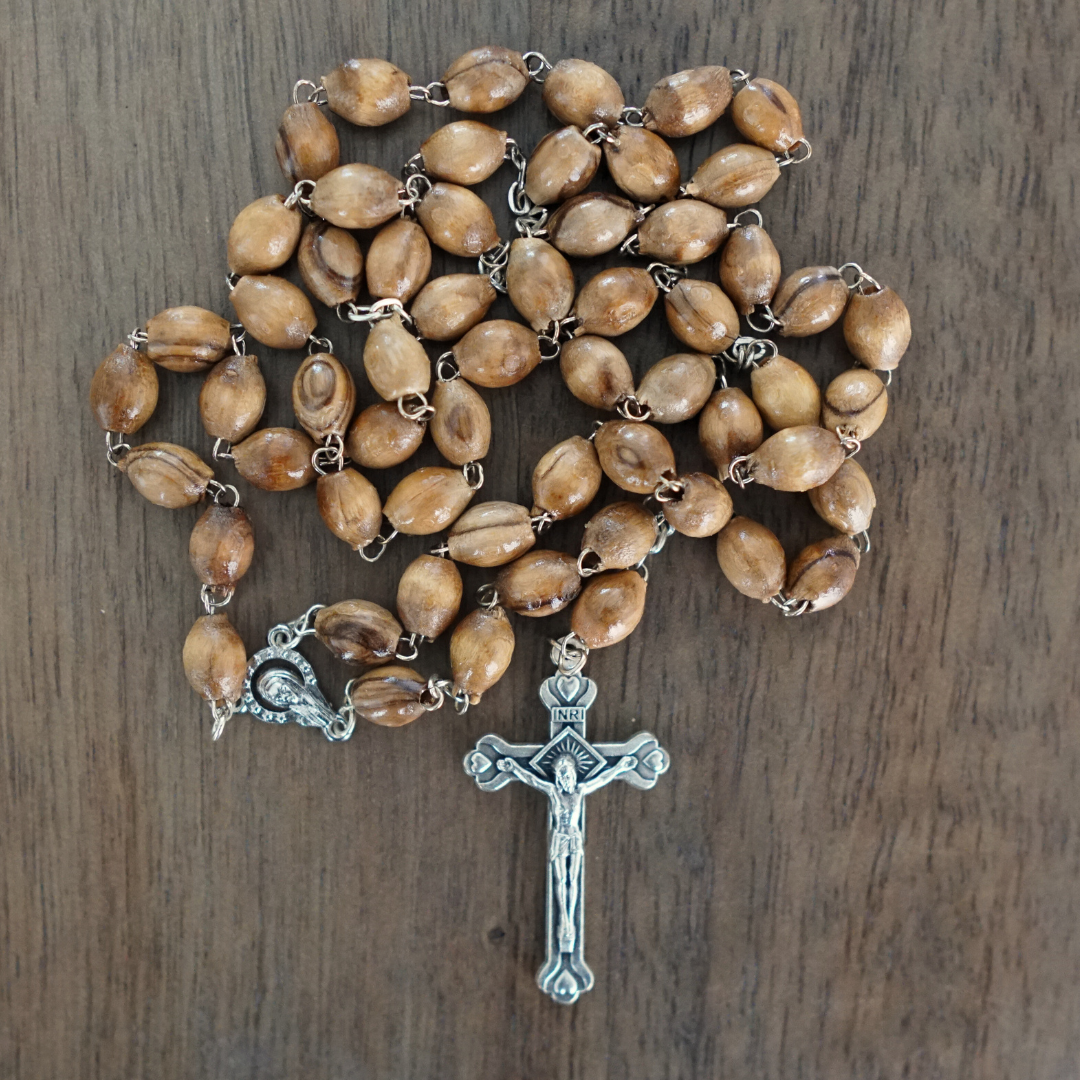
865, 861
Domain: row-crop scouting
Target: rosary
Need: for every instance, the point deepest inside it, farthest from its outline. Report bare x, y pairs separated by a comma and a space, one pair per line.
667, 225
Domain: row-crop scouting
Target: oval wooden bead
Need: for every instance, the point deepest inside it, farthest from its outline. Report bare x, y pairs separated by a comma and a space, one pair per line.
485, 80
263, 236
367, 92
461, 426
497, 353
823, 573
215, 660
703, 509
187, 338
877, 328
307, 144
380, 437
785, 393
232, 398
388, 695
856, 402
399, 261
323, 396
330, 263
688, 101
167, 475
273, 311
539, 583
275, 459
677, 387
580, 93
427, 500
810, 300
633, 455
751, 558
846, 500
222, 545
356, 196
700, 315
451, 305
395, 362
609, 608
358, 632
429, 596
620, 535
563, 164
736, 176
491, 534
615, 301
796, 459
642, 165
592, 224
567, 478
465, 152
124, 391
767, 114
539, 282
595, 371
457, 220
749, 267
730, 426
350, 507
681, 232
481, 648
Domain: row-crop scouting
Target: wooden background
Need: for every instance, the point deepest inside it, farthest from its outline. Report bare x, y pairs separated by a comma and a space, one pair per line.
864, 862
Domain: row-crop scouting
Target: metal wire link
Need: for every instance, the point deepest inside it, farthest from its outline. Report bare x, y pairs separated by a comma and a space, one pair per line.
407, 650
222, 450
791, 607
219, 491
589, 563
862, 279
380, 543
301, 196
331, 455
137, 337
632, 116
434, 696
862, 542
765, 317
631, 245
793, 156
492, 264
849, 442
323, 344
222, 712
670, 489
569, 654
538, 65
372, 313
630, 408
738, 472
435, 93
598, 133
739, 79
473, 472
316, 96
115, 448
542, 522
416, 407
413, 192
446, 369
487, 596
737, 223
288, 635
215, 596
666, 277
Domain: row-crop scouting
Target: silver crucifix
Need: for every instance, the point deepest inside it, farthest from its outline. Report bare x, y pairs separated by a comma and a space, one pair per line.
566, 769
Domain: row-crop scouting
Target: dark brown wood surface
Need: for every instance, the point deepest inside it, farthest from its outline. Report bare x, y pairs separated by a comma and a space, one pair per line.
864, 862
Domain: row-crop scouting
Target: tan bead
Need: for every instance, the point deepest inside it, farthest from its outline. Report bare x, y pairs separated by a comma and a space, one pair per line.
823, 573
481, 648
856, 402
609, 608
429, 596
749, 267
497, 353
215, 660
846, 500
427, 500
796, 459
539, 583
358, 632
877, 329
730, 426
703, 509
465, 152
124, 391
380, 437
620, 535
615, 301
688, 101
681, 232
563, 164
785, 393
491, 534
349, 504
275, 459
580, 93
367, 92
751, 558
457, 220
399, 261
307, 144
330, 263
167, 475
736, 176
766, 114
273, 311
395, 362
539, 281
566, 479
642, 165
187, 338
461, 426
222, 545
449, 306
263, 236
810, 300
592, 224
635, 456
595, 371
677, 387
388, 696
356, 196
323, 396
700, 315
232, 398
485, 80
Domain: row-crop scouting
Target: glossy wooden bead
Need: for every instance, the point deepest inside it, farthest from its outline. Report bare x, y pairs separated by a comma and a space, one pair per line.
457, 220
215, 660
578, 92
166, 475
615, 301
368, 93
595, 371
187, 338
380, 437
539, 583
729, 427
703, 508
349, 505
429, 596
688, 101
222, 545
620, 535
232, 398
263, 236
642, 165
810, 300
855, 402
824, 572
785, 393
633, 455
307, 145
566, 479
539, 281
330, 263
766, 114
356, 196
451, 305
275, 459
461, 426
681, 232
491, 534
358, 632
496, 353
877, 328
677, 387
388, 695
481, 648
749, 267
273, 311
700, 315
796, 459
485, 80
465, 152
751, 558
395, 362
427, 500
323, 396
846, 500
736, 176
592, 224
124, 391
562, 165
399, 261
609, 608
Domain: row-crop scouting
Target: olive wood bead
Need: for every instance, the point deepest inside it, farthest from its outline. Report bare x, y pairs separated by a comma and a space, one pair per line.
539, 281
232, 398
429, 596
273, 311
620, 535
215, 660
457, 220
330, 263
751, 558
824, 572
562, 165
307, 145
729, 427
703, 508
688, 101
124, 391
633, 455
609, 608
275, 459
465, 152
356, 196
677, 387
578, 92
358, 632
323, 396
486, 79
263, 236
615, 301
461, 426
491, 534
877, 328
451, 305
539, 583
681, 232
846, 500
222, 545
187, 338
398, 261
566, 479
700, 315
395, 362
767, 114
166, 475
368, 93
796, 459
855, 402
350, 507
642, 165
810, 300
427, 500
497, 353
785, 393
736, 176
380, 437
592, 224
389, 696
595, 371
749, 267
481, 648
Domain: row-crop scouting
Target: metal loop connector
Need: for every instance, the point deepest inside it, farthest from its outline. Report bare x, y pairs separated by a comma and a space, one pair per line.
632, 116
289, 634
532, 225
222, 712
862, 542
738, 472
219, 492
670, 489
231, 281
666, 277
222, 450
344, 723
434, 696
589, 563
550, 347
746, 353
473, 472
630, 408
492, 264
861, 280
487, 596
331, 455
413, 192
137, 337
739, 79
238, 339
737, 223
215, 596
301, 196
407, 650
569, 654
598, 133
435, 93
538, 65
631, 245
766, 322
413, 167
115, 447
379, 543
542, 522
446, 369
316, 92
515, 155
320, 344
791, 607
664, 532
849, 442
416, 407
373, 313
798, 152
